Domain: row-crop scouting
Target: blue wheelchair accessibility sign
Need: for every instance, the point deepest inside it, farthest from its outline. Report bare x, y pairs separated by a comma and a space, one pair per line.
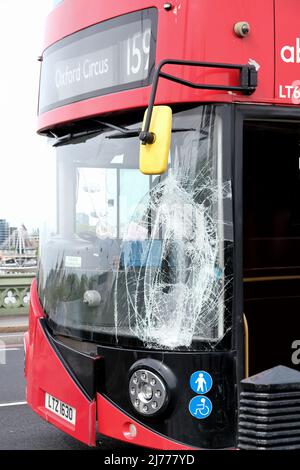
200, 407
201, 382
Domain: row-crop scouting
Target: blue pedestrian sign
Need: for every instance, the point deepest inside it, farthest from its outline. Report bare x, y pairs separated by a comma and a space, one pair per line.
200, 407
201, 382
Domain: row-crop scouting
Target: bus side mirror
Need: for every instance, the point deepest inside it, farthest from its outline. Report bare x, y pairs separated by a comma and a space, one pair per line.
154, 156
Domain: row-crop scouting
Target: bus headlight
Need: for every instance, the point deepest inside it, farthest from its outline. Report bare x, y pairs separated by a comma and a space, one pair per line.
147, 391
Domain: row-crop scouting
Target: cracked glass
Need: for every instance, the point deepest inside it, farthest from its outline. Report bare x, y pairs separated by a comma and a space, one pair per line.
134, 259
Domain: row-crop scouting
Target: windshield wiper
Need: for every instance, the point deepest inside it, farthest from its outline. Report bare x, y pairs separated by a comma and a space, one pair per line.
71, 136
136, 133
121, 132
125, 132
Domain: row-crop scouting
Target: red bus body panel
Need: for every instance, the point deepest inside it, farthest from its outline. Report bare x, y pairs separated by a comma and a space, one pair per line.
46, 373
199, 30
114, 423
287, 51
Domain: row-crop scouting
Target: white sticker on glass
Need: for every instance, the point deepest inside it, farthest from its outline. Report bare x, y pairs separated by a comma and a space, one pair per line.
73, 262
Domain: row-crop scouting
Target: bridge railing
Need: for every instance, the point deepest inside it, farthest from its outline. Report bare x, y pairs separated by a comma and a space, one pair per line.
15, 293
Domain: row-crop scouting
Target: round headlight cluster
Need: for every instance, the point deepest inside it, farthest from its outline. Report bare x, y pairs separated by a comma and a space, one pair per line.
147, 392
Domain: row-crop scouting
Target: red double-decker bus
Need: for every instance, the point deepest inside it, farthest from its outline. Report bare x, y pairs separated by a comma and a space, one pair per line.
170, 254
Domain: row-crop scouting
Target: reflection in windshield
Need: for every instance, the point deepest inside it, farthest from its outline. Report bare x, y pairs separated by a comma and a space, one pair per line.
136, 256
105, 199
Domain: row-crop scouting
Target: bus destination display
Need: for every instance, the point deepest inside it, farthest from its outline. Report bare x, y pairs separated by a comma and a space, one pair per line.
115, 55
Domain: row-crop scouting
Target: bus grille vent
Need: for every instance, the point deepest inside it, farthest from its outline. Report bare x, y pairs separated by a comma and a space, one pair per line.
269, 410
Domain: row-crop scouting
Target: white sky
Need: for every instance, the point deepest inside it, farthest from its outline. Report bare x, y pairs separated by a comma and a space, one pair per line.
21, 150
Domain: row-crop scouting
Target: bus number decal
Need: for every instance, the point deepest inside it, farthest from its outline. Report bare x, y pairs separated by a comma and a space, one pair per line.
291, 92
138, 50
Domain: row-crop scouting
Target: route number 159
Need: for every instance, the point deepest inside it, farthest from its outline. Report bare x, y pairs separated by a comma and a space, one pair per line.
138, 50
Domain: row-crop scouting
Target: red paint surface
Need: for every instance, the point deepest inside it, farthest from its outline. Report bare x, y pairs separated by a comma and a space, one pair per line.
196, 30
116, 424
45, 373
287, 54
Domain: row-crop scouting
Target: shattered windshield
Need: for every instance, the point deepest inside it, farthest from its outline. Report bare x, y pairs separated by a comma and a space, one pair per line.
134, 257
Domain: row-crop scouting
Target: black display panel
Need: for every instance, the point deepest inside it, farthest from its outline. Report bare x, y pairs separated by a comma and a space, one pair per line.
114, 55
